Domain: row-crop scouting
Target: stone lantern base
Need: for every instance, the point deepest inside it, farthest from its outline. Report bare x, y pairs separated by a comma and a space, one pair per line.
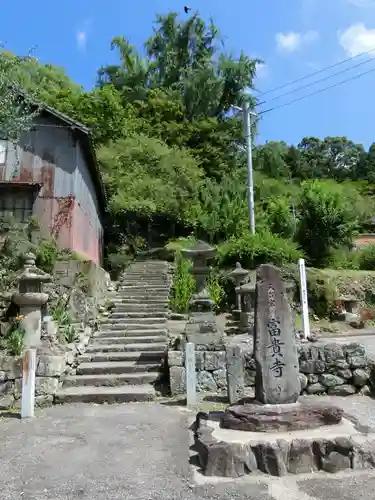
201, 329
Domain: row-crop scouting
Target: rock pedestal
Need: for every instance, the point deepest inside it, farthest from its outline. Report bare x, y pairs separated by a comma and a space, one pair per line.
275, 352
201, 327
30, 300
282, 418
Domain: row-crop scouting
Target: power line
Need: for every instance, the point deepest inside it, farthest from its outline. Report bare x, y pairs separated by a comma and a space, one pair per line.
317, 81
309, 75
317, 92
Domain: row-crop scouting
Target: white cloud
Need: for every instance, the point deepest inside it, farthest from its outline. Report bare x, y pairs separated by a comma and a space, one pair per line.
362, 4
357, 39
292, 41
81, 38
82, 33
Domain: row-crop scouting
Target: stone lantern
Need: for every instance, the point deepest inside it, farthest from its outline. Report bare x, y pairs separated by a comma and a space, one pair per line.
31, 299
201, 327
247, 298
200, 254
239, 274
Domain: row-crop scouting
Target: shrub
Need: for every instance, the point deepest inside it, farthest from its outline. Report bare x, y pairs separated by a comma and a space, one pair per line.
342, 258
279, 217
13, 341
321, 293
117, 262
366, 258
183, 285
326, 220
180, 244
47, 255
255, 249
215, 289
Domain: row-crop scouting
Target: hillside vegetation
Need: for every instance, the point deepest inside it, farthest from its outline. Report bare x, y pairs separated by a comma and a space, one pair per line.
171, 156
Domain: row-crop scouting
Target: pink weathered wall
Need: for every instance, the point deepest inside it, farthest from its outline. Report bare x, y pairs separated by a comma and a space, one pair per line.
53, 221
85, 238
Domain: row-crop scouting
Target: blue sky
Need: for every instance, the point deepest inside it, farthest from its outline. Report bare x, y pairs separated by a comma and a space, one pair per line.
293, 37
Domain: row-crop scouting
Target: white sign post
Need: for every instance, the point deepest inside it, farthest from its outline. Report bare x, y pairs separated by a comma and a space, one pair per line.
191, 378
304, 302
28, 383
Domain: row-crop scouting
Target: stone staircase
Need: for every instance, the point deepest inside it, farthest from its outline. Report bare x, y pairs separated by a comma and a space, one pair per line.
123, 360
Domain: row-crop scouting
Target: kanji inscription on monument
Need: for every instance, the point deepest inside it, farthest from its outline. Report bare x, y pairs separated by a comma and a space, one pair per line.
275, 350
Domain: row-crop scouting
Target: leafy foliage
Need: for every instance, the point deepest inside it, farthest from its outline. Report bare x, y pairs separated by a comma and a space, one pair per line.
255, 249
326, 220
170, 150
183, 285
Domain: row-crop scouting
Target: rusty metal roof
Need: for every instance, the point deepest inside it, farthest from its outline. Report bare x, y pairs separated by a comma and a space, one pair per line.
87, 143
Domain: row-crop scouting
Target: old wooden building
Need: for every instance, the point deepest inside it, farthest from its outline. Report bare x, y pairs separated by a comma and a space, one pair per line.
53, 174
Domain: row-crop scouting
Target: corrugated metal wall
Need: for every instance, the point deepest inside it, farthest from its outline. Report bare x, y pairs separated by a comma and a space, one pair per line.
67, 204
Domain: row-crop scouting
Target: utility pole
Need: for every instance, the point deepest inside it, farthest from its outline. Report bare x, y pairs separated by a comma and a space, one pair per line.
250, 184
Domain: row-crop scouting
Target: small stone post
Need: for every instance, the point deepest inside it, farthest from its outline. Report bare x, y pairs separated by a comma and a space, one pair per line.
30, 300
191, 378
235, 374
28, 383
303, 297
239, 275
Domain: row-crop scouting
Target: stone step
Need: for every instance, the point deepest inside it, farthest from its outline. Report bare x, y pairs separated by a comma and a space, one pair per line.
106, 367
143, 286
139, 314
129, 343
161, 304
147, 273
143, 295
140, 308
111, 380
125, 328
138, 356
130, 322
138, 299
131, 298
118, 394
150, 332
119, 340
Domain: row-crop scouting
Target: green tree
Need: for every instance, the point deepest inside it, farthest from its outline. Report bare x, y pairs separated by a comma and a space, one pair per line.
145, 178
280, 219
185, 56
271, 159
16, 110
326, 220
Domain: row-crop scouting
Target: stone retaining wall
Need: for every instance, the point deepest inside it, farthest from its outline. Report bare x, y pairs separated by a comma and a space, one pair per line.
51, 366
336, 369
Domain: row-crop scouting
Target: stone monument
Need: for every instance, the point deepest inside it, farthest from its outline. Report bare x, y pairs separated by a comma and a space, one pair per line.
275, 433
201, 327
275, 351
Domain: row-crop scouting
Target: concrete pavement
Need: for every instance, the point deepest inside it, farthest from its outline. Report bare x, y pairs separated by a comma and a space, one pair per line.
140, 452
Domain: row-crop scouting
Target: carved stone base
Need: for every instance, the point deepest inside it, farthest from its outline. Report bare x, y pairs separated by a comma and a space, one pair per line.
229, 453
201, 329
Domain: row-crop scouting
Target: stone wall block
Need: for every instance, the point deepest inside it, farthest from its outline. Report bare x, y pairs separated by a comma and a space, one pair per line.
50, 366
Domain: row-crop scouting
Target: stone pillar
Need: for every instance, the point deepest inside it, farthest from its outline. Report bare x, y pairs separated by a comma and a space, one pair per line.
201, 327
239, 275
30, 300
